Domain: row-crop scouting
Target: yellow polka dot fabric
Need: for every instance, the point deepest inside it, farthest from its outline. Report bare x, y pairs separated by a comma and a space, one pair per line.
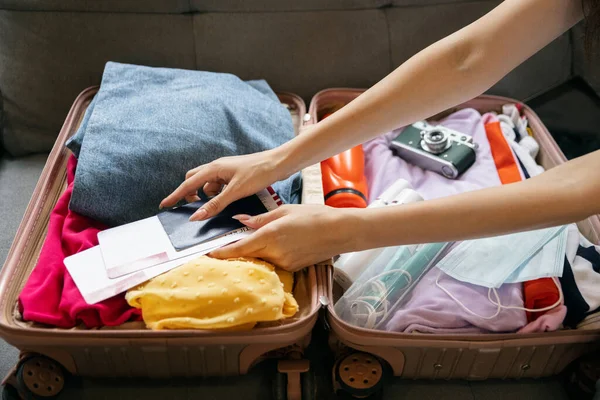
208, 293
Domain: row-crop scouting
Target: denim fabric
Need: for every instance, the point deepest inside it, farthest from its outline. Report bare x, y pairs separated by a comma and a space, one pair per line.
148, 126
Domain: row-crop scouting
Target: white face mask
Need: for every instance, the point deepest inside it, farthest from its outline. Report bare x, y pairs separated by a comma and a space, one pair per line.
497, 301
518, 257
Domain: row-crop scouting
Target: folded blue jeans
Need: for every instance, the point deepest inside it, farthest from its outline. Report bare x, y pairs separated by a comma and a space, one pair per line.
147, 127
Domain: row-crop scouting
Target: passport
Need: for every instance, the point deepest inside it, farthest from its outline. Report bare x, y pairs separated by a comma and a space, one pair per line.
184, 234
170, 235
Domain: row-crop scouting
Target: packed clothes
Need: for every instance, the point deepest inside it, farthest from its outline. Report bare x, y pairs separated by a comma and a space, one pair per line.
542, 293
216, 294
382, 167
145, 128
581, 278
538, 294
439, 303
429, 310
148, 126
50, 296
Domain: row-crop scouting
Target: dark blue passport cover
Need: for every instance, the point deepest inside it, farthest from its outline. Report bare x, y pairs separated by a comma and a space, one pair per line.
184, 234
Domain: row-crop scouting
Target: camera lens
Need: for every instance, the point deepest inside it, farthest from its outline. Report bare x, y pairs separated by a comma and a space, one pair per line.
434, 141
436, 137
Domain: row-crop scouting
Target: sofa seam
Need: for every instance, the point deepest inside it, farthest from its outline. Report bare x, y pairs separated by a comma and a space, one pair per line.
389, 37
2, 119
93, 12
193, 11
195, 48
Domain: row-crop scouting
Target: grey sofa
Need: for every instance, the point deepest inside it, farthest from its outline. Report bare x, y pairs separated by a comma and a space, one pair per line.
50, 50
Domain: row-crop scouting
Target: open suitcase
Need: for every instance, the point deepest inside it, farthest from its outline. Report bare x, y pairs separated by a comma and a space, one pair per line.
365, 356
131, 351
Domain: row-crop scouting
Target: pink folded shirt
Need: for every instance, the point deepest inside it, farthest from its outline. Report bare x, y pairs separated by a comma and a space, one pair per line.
50, 295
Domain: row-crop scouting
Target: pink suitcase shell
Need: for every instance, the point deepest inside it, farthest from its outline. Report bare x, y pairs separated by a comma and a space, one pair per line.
130, 350
361, 353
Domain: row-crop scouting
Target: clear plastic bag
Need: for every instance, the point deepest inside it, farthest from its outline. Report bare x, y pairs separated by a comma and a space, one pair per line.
382, 287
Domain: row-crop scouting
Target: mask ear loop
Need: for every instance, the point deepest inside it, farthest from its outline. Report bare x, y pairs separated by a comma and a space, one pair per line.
497, 302
381, 297
437, 283
558, 303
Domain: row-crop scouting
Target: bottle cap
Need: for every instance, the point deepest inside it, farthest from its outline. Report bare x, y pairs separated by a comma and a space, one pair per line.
392, 191
407, 196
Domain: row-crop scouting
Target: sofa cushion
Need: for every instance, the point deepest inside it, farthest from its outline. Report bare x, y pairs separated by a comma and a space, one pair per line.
585, 65
547, 68
183, 6
302, 52
284, 5
17, 181
413, 28
141, 6
47, 59
411, 3
571, 112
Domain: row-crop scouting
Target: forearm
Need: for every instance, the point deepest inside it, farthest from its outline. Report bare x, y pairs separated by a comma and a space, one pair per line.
565, 194
447, 73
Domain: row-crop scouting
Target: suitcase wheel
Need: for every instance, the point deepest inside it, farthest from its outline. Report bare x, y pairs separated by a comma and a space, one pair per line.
285, 389
582, 377
9, 392
39, 377
359, 375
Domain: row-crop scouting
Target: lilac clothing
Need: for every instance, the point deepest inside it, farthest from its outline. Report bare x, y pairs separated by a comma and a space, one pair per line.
428, 309
549, 322
382, 167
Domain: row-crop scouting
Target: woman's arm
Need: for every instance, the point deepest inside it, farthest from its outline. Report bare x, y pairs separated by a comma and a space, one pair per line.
449, 72
295, 236
565, 194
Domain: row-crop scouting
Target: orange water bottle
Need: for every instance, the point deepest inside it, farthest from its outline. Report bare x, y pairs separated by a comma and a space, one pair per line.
344, 181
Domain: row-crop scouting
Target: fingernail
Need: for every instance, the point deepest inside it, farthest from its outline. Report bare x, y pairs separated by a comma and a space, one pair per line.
214, 254
199, 215
160, 207
241, 217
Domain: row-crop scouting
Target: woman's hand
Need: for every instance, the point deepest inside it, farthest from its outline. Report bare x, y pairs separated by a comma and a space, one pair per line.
295, 236
241, 176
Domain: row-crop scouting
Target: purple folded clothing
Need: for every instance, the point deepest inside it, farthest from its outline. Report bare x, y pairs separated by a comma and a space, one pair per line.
429, 309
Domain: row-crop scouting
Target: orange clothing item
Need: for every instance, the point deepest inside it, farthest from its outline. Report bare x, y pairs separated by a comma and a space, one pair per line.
539, 293
508, 169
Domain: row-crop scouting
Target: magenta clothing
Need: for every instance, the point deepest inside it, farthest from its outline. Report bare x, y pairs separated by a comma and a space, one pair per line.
50, 295
551, 321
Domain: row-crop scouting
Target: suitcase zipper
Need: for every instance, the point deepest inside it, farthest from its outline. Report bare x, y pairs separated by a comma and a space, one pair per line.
324, 301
